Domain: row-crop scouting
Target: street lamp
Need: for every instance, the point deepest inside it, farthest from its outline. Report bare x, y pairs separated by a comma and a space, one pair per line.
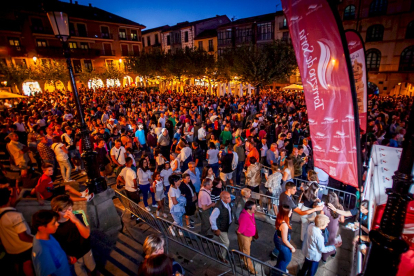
96, 183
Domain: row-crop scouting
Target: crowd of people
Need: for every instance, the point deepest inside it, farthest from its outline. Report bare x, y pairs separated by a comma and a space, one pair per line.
181, 150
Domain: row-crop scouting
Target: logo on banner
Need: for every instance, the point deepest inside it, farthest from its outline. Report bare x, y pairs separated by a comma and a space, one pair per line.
348, 119
312, 122
336, 150
318, 148
353, 150
320, 135
313, 8
340, 134
324, 69
329, 120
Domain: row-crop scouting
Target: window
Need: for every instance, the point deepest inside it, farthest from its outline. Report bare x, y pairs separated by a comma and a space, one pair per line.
73, 45
14, 41
148, 41
104, 32
265, 31
224, 37
200, 45
349, 12
82, 30
77, 66
87, 63
243, 34
110, 63
72, 29
285, 36
378, 7
186, 36
135, 49
210, 45
41, 43
373, 59
84, 45
107, 49
220, 51
124, 50
134, 35
21, 62
168, 40
122, 34
177, 38
283, 25
156, 39
375, 33
37, 25
407, 59
410, 30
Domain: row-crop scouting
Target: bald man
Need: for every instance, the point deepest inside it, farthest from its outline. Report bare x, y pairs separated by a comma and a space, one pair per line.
220, 220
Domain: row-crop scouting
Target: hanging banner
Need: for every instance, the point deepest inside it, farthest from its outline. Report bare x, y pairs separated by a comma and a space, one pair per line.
357, 54
324, 67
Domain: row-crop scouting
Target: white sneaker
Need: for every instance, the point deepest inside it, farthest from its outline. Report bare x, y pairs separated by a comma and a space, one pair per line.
85, 193
148, 208
165, 215
155, 205
90, 197
157, 213
180, 233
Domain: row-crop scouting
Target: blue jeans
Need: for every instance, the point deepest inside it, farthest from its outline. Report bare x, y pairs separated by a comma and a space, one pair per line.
239, 170
178, 218
215, 168
285, 255
145, 189
309, 268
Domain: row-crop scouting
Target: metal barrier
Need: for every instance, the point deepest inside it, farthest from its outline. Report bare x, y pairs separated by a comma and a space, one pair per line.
263, 201
346, 199
241, 262
138, 211
202, 245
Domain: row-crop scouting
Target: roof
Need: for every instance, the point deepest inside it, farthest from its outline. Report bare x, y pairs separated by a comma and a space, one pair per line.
207, 34
155, 29
73, 10
187, 23
258, 18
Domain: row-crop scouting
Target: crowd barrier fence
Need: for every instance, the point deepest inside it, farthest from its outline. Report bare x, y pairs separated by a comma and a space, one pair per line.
261, 268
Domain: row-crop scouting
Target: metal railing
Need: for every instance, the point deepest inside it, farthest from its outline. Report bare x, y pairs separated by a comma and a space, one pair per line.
139, 212
346, 199
242, 261
263, 201
202, 245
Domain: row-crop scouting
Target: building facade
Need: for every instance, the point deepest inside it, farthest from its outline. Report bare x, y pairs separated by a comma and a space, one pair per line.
98, 38
207, 41
182, 35
387, 28
151, 38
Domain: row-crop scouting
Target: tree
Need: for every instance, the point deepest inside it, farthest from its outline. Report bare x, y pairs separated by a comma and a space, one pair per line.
51, 72
16, 75
263, 64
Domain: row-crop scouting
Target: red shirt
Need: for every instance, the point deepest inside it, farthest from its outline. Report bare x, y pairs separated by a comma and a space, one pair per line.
45, 186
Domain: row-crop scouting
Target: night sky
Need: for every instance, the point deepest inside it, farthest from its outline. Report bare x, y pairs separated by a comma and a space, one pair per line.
161, 12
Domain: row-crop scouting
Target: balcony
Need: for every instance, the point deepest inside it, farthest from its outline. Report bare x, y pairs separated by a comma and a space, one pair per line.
84, 53
79, 34
41, 30
76, 53
50, 51
129, 53
16, 51
105, 35
283, 26
108, 53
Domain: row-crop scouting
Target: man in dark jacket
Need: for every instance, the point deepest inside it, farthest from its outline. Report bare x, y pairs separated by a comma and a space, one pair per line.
220, 220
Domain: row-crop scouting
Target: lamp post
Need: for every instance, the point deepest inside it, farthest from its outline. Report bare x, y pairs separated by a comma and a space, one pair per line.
96, 183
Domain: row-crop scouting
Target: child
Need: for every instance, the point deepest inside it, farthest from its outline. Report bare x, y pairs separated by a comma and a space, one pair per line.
165, 173
158, 187
45, 189
73, 234
47, 255
159, 160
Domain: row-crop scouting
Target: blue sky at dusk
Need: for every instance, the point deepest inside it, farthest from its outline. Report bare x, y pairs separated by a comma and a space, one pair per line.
161, 12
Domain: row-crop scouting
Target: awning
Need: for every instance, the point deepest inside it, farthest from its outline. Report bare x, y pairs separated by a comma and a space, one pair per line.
8, 95
293, 87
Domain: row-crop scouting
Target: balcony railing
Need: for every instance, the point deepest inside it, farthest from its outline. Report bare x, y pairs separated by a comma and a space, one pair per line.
283, 26
129, 53
50, 51
106, 36
75, 52
79, 34
16, 51
108, 53
84, 52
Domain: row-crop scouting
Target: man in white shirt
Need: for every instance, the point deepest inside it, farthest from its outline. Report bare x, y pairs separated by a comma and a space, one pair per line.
202, 137
220, 220
314, 245
18, 151
118, 154
128, 177
67, 116
161, 120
